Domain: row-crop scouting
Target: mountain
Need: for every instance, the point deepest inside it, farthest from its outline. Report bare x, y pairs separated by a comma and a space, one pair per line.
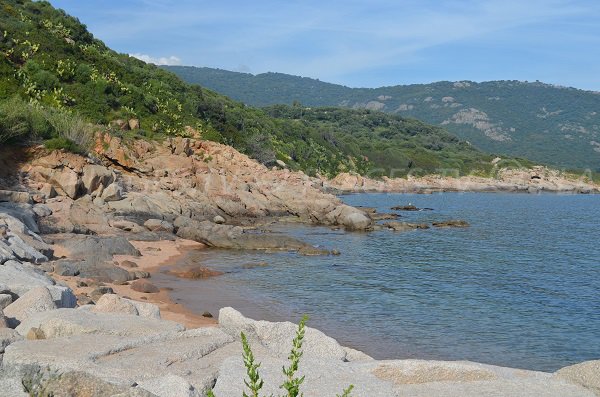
59, 85
542, 122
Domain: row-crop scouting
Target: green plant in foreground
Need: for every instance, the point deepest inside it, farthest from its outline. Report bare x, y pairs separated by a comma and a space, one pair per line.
292, 383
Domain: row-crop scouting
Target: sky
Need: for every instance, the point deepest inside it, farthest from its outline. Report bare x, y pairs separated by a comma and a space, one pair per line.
360, 43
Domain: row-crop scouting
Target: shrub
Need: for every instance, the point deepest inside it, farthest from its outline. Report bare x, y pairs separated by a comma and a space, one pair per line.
63, 143
292, 383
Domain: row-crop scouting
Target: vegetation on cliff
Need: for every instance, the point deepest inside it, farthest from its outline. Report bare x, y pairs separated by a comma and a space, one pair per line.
546, 123
59, 84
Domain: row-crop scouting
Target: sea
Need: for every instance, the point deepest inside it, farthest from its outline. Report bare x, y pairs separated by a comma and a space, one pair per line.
520, 287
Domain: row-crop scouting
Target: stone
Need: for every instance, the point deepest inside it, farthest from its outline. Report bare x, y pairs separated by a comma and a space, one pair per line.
134, 124
48, 191
20, 277
6, 253
5, 300
158, 225
25, 252
67, 267
4, 323
586, 374
42, 210
112, 303
97, 293
195, 273
113, 192
96, 248
63, 296
8, 336
277, 336
207, 315
34, 301
144, 286
14, 197
404, 226
169, 386
104, 272
409, 207
218, 219
140, 274
451, 223
146, 309
234, 237
351, 218
128, 264
96, 177
70, 322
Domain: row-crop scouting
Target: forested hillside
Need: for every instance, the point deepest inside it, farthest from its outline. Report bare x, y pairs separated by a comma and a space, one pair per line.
60, 85
545, 123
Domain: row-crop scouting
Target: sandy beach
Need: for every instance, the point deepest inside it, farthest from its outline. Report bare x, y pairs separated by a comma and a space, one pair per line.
154, 256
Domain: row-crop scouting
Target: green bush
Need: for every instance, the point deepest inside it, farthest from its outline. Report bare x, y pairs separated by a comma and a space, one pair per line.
291, 383
64, 144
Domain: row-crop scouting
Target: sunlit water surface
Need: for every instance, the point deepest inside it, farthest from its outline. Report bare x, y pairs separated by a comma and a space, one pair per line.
519, 288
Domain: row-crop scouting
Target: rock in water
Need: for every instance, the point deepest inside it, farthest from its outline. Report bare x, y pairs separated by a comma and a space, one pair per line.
144, 286
451, 223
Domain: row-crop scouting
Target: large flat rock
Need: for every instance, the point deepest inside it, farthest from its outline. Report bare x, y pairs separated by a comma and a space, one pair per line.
69, 322
193, 356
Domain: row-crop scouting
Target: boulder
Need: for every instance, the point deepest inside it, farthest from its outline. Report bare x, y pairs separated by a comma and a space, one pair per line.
42, 210
586, 374
169, 386
144, 286
6, 253
69, 322
67, 267
8, 336
113, 192
34, 301
20, 277
134, 124
63, 296
112, 303
218, 219
104, 272
3, 320
5, 300
158, 225
96, 249
25, 252
97, 293
96, 177
234, 237
351, 218
15, 197
277, 336
82, 384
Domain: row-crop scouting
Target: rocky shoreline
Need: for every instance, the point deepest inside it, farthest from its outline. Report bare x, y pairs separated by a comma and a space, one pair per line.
535, 180
79, 315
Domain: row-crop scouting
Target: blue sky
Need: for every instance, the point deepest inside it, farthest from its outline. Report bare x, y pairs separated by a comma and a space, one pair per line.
361, 43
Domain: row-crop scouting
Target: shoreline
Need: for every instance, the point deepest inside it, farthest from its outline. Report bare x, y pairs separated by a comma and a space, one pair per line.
155, 255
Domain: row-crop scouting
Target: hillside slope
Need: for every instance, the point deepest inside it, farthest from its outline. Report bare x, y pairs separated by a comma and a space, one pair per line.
546, 123
55, 76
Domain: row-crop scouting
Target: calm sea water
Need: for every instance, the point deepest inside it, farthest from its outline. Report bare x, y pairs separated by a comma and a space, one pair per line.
519, 288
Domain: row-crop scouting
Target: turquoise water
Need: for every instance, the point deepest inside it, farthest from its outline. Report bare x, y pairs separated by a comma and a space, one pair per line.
520, 287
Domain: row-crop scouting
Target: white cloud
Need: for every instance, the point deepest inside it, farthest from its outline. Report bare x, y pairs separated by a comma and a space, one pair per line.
171, 61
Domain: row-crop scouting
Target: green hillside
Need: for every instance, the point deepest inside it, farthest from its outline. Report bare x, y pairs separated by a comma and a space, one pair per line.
545, 123
59, 85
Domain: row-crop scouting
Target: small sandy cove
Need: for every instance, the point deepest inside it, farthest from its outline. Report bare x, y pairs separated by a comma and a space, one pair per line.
154, 255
